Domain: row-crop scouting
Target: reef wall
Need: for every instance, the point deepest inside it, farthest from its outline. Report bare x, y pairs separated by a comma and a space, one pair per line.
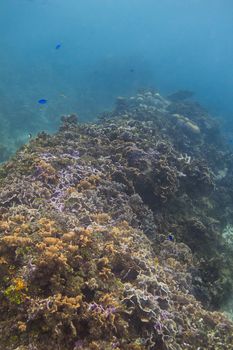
111, 233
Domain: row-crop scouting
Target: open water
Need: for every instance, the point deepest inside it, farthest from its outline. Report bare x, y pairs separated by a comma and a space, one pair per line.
79, 55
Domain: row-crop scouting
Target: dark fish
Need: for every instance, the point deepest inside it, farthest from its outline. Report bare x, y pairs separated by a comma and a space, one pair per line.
131, 70
42, 101
57, 47
180, 95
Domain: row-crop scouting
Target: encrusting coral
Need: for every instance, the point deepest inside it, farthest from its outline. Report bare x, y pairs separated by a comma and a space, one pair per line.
110, 233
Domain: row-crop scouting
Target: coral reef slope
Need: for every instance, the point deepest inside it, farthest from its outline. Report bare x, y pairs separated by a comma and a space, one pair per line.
110, 233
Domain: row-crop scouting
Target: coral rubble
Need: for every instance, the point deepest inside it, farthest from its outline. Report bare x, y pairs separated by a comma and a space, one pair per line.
110, 233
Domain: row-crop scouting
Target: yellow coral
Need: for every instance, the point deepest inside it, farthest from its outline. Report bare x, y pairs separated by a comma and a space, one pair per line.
69, 236
71, 248
4, 225
109, 299
41, 246
84, 237
22, 327
3, 261
65, 301
109, 248
84, 185
101, 218
25, 227
18, 218
16, 241
15, 292
105, 273
48, 169
17, 230
51, 240
19, 284
70, 190
47, 227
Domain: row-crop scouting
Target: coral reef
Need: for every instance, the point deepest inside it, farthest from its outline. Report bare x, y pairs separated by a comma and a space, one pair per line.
113, 235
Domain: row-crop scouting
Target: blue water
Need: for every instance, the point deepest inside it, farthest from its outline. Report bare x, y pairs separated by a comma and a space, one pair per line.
109, 48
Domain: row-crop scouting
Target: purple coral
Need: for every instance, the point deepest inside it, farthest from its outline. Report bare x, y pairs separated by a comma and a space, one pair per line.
109, 310
158, 327
78, 344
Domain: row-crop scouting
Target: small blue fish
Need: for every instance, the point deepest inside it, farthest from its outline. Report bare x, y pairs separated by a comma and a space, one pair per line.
170, 238
42, 101
57, 47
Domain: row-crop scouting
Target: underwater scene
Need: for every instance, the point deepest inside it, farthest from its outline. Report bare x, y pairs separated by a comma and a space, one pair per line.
116, 175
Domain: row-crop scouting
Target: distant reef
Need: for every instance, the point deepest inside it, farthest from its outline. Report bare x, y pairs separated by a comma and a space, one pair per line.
118, 234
